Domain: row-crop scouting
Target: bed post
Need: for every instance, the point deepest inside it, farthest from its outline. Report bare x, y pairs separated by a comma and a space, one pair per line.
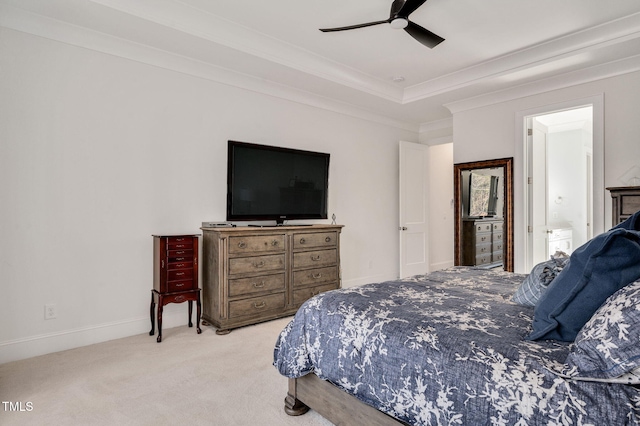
293, 406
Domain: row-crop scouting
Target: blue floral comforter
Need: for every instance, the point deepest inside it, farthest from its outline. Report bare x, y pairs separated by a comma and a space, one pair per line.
445, 348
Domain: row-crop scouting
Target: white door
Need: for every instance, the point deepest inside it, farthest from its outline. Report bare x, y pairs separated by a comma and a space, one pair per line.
414, 252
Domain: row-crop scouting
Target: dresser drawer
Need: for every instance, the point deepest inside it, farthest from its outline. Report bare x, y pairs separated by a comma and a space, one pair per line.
497, 256
483, 259
315, 258
483, 237
497, 236
179, 274
256, 305
629, 204
483, 227
256, 264
256, 244
180, 285
315, 276
242, 286
498, 226
318, 239
299, 296
483, 248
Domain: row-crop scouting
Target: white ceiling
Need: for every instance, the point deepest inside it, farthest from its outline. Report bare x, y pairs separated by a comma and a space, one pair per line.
274, 46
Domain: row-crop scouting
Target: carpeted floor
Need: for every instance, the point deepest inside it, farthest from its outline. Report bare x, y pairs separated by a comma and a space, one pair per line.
187, 379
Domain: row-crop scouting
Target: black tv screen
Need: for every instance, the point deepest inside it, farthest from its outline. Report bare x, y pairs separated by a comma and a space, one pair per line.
274, 183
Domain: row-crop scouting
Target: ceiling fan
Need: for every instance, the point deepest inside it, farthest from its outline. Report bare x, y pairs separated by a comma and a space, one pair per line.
399, 19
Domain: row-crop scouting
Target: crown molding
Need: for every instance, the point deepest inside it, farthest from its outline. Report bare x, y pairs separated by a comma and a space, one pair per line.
187, 19
569, 79
21, 20
578, 43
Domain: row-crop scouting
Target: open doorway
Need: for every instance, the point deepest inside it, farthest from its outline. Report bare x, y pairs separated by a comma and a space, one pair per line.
560, 181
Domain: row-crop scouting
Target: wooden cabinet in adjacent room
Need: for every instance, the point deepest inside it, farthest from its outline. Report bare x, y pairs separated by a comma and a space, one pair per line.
625, 201
483, 242
253, 274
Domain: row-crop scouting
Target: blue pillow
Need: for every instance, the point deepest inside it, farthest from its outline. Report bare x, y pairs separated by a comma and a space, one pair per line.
595, 271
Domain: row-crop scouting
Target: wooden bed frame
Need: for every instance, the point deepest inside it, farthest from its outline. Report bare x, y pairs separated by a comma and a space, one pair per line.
332, 403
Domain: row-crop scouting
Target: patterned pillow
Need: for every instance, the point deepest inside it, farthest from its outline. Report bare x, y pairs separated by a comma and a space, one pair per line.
608, 346
536, 283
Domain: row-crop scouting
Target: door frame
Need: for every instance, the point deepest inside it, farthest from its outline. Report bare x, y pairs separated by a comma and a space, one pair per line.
521, 169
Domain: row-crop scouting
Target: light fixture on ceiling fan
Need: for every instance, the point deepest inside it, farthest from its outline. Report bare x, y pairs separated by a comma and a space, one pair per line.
399, 19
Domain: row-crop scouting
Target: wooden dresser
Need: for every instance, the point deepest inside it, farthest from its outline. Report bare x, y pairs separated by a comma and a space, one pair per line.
253, 274
482, 242
625, 201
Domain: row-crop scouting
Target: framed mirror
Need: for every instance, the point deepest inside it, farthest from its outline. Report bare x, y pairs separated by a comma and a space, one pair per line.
483, 208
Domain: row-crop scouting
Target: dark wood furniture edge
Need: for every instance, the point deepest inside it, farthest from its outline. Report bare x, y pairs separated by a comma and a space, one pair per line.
507, 163
332, 403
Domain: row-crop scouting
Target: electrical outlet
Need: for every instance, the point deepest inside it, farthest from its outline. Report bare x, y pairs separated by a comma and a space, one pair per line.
50, 311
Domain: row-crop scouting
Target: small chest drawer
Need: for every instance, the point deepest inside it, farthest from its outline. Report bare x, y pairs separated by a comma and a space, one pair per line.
242, 286
319, 239
179, 274
256, 305
498, 226
184, 256
256, 264
179, 243
256, 244
315, 276
180, 285
315, 258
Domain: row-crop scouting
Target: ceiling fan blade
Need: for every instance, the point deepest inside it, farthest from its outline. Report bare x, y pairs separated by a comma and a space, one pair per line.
353, 27
409, 7
423, 35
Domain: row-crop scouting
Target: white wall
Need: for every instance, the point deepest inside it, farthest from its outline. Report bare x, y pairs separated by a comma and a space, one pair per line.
490, 132
98, 152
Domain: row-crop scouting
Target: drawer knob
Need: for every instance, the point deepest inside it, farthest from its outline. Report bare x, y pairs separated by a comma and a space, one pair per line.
315, 258
302, 241
275, 243
259, 306
180, 273
242, 244
258, 264
179, 284
316, 276
327, 240
259, 285
180, 299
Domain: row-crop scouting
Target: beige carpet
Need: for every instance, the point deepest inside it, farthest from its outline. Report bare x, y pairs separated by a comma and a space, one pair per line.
187, 379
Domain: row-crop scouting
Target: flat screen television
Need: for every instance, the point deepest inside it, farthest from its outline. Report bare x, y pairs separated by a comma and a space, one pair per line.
274, 183
483, 195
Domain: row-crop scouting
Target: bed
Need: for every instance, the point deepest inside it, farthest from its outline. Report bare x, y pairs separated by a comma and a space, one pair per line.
453, 347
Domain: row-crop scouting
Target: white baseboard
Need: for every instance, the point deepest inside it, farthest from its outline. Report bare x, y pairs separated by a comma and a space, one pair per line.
440, 265
29, 347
